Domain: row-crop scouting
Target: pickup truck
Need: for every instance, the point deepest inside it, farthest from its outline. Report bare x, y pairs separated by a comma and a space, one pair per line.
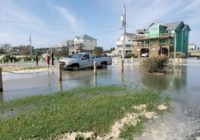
83, 61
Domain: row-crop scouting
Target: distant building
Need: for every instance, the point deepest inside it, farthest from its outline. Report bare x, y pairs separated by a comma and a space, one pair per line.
192, 46
66, 44
128, 44
83, 43
159, 39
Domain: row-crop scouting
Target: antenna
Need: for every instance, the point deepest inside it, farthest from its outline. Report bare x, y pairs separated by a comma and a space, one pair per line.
30, 40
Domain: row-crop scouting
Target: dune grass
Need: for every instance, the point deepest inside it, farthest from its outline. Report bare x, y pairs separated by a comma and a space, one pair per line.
83, 109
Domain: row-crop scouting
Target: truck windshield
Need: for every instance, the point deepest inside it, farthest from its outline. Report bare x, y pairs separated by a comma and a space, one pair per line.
77, 56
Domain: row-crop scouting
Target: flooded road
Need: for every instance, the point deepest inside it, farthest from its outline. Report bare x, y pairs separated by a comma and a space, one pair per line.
182, 86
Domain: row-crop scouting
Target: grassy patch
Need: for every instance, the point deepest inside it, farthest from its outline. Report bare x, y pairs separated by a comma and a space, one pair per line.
130, 131
83, 109
10, 68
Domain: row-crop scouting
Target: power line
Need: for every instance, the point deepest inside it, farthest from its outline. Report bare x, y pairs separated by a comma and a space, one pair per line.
54, 24
168, 19
94, 26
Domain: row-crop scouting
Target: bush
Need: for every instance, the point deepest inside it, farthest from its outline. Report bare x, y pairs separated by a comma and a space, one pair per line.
8, 58
155, 64
25, 58
178, 55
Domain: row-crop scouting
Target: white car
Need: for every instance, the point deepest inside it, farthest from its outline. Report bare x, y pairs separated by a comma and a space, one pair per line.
144, 55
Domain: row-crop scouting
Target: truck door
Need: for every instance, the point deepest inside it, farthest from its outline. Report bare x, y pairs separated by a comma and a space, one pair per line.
86, 61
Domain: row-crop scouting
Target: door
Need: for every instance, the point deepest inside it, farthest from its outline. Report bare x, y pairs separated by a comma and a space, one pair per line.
85, 61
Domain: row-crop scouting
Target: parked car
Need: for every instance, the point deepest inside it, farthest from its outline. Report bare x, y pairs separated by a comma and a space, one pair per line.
144, 55
83, 61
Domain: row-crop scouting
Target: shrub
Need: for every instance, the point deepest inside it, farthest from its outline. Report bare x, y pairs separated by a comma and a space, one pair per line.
178, 55
8, 58
155, 64
25, 58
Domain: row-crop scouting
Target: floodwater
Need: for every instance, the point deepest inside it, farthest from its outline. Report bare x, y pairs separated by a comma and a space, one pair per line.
182, 86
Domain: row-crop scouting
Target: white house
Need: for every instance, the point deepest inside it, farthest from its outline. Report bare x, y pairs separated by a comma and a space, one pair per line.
83, 43
66, 44
192, 46
128, 44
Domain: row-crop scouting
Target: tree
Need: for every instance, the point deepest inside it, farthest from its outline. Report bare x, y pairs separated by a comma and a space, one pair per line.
24, 49
98, 51
61, 52
5, 48
110, 50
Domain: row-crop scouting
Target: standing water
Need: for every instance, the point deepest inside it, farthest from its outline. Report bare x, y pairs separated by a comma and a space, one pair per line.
182, 86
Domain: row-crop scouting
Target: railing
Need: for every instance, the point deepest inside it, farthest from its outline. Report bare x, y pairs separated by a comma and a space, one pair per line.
156, 44
163, 35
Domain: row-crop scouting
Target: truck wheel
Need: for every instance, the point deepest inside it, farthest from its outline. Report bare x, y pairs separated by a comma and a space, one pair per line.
75, 67
104, 65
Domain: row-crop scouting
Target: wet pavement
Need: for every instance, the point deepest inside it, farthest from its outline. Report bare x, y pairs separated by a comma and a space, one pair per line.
182, 86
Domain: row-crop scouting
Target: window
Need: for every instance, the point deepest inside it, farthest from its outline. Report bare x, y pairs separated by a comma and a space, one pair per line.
86, 56
128, 46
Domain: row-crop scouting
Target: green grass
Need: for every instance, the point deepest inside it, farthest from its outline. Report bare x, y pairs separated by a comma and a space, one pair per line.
83, 109
8, 68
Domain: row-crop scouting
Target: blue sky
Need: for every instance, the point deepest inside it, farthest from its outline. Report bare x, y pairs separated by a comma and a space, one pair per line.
52, 21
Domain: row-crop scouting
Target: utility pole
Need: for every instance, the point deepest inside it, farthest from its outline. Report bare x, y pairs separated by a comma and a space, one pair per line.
30, 45
123, 20
174, 47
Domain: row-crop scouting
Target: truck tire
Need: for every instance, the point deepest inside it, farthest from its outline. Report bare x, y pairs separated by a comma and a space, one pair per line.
104, 64
75, 67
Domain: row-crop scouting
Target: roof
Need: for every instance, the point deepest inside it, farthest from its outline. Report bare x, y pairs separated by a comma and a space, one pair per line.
186, 26
87, 37
142, 31
172, 25
130, 34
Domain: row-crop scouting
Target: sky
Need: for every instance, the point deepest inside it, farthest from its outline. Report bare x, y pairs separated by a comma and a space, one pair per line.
50, 22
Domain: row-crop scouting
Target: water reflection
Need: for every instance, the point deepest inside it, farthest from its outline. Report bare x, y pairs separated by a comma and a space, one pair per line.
155, 81
60, 86
45, 83
95, 80
1, 96
122, 77
84, 77
179, 77
49, 79
176, 80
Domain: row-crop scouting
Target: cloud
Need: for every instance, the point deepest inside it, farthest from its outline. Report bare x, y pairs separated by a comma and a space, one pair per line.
194, 5
17, 23
68, 16
13, 13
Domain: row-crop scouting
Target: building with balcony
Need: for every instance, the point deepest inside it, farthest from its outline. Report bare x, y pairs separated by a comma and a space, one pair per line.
160, 39
192, 46
128, 44
83, 43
